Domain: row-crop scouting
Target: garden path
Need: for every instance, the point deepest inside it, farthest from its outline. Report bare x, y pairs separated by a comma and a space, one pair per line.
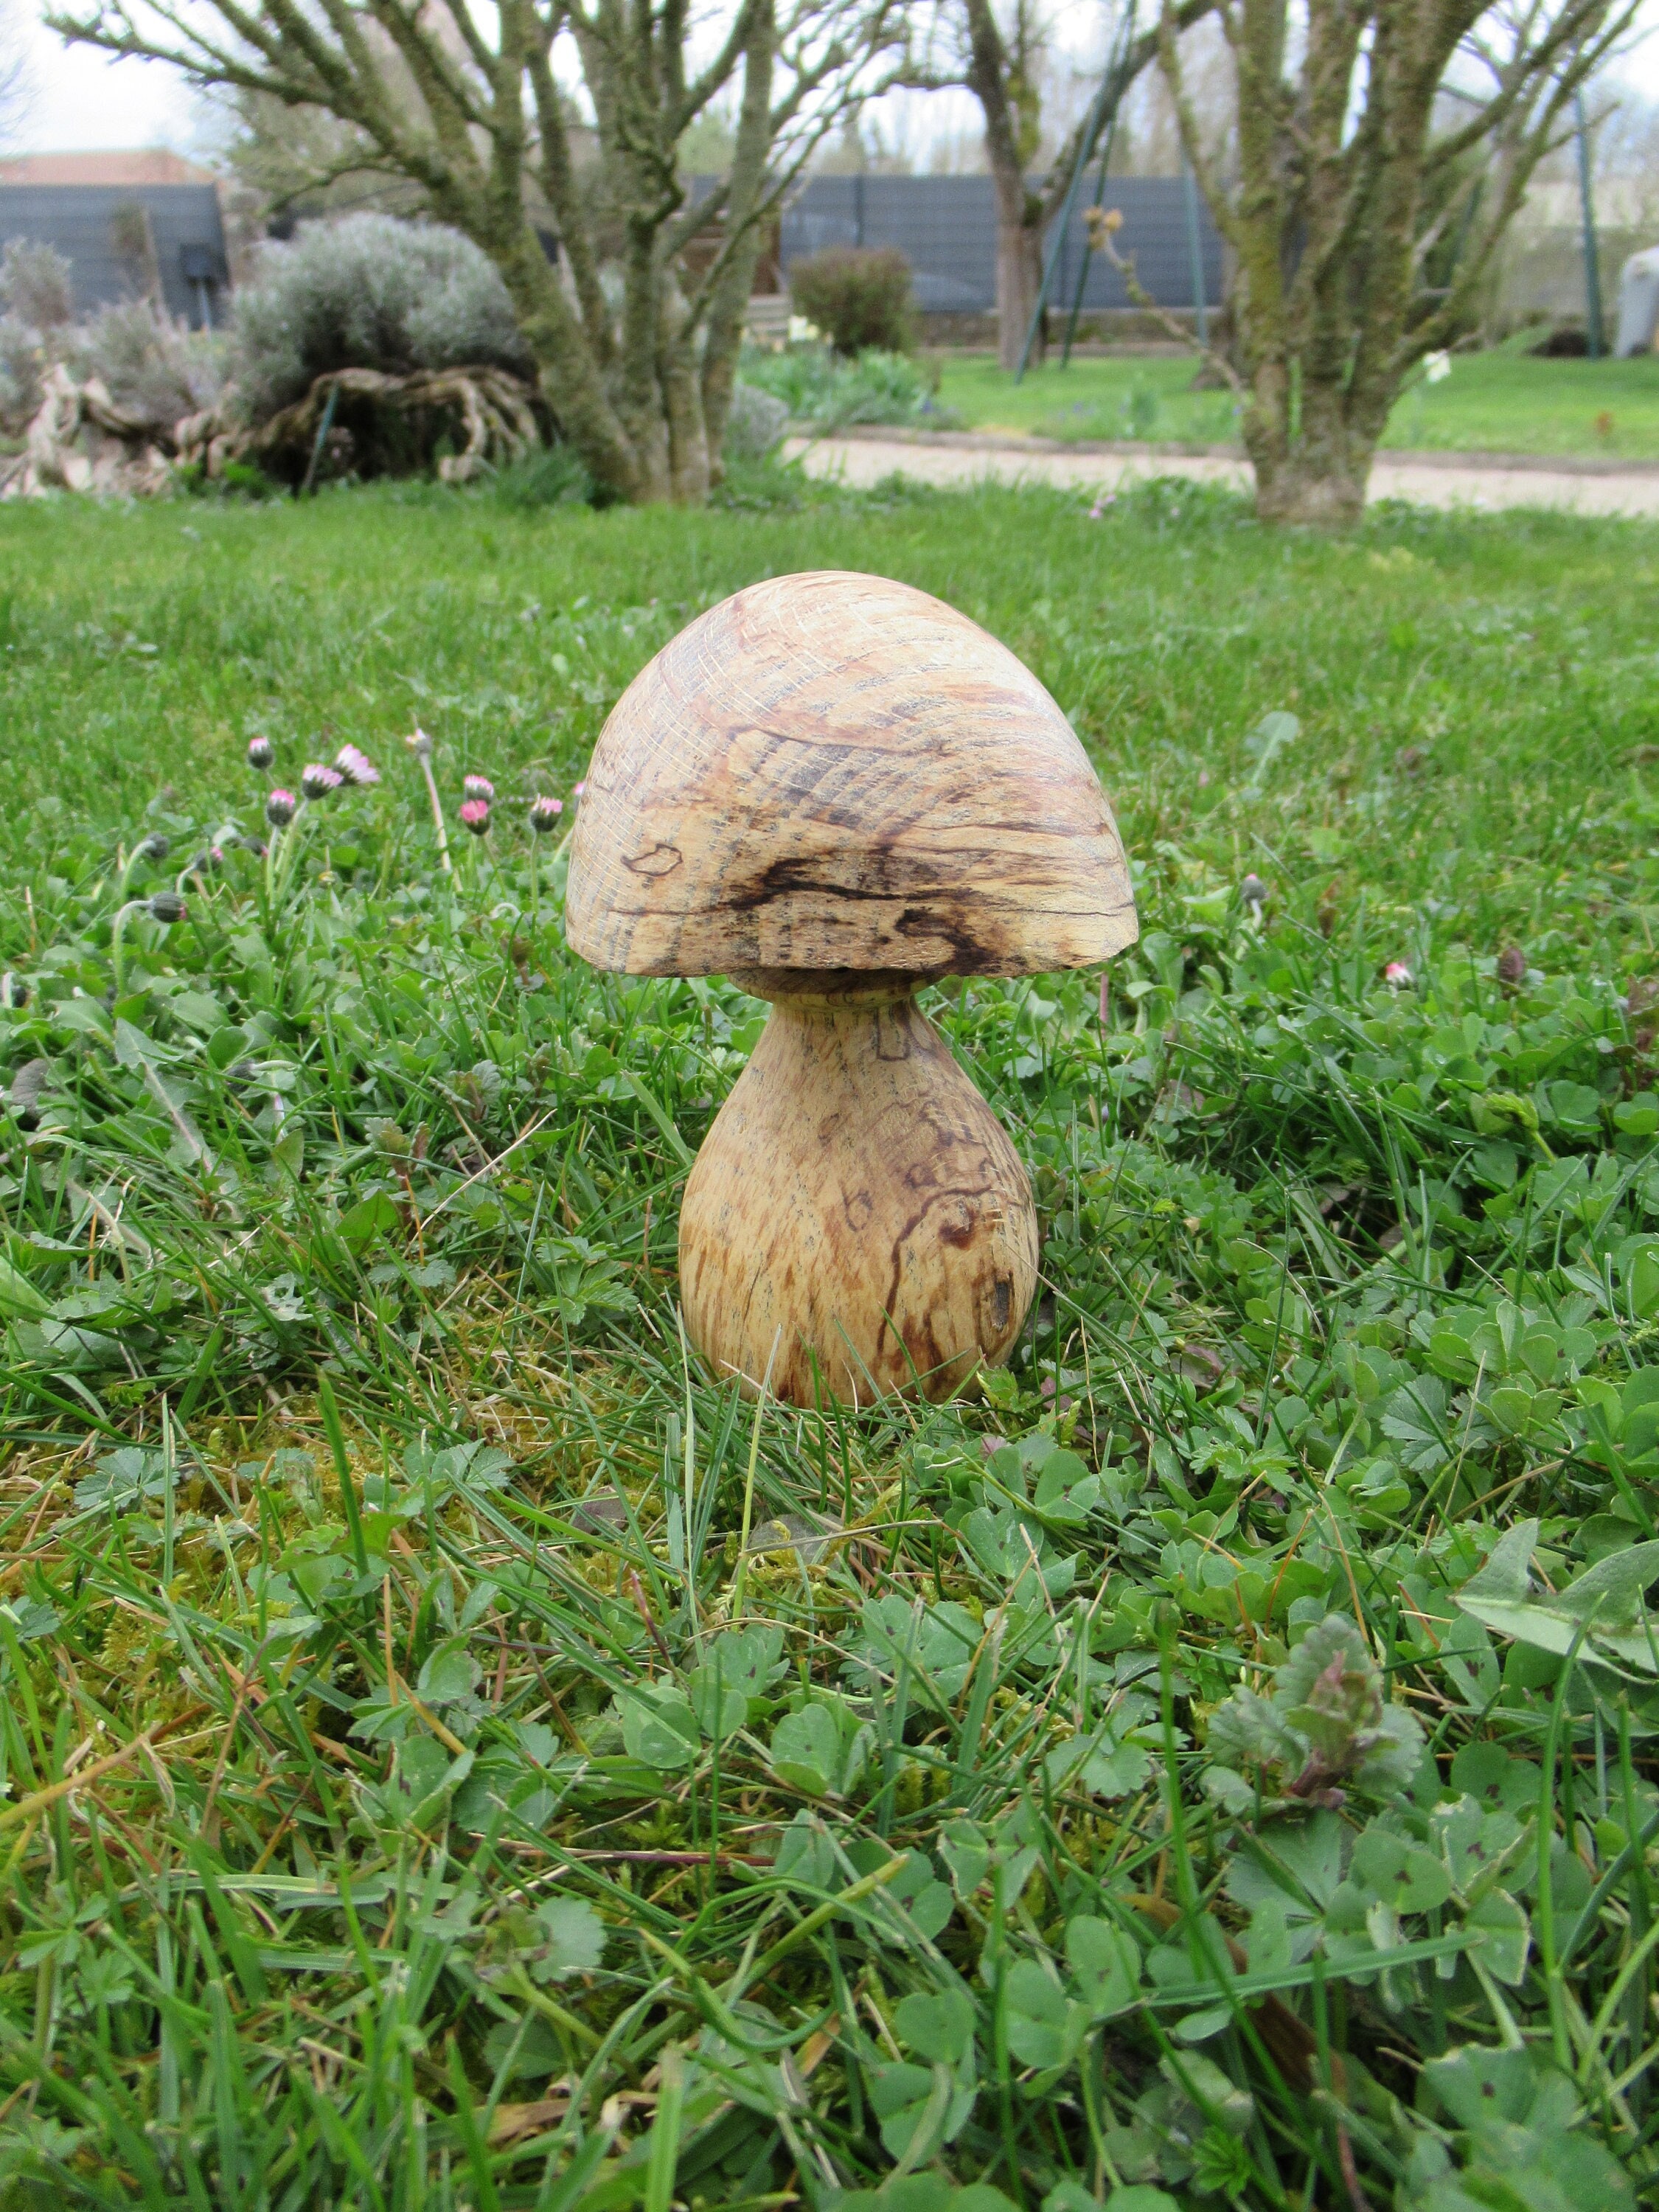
863, 458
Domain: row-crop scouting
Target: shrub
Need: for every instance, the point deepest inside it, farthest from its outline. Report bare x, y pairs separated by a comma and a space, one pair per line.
22, 360
35, 303
149, 368
35, 285
858, 297
369, 292
878, 388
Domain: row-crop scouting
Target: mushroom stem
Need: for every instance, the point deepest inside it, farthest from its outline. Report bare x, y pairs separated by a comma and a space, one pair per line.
856, 1202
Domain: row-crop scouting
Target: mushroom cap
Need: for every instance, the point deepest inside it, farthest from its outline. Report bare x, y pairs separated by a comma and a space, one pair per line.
836, 771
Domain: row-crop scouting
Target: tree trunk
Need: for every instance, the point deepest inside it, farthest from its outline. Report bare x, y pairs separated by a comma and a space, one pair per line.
725, 326
1311, 456
1019, 279
731, 282
689, 458
1019, 211
1307, 487
564, 360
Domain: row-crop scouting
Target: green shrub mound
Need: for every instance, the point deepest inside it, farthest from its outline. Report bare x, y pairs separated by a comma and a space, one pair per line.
369, 292
817, 386
858, 297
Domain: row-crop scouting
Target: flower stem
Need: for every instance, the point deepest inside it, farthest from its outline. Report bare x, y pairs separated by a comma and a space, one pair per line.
117, 946
290, 839
437, 814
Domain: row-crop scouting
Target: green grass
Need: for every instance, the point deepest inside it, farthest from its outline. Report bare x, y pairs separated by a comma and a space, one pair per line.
396, 1811
1491, 403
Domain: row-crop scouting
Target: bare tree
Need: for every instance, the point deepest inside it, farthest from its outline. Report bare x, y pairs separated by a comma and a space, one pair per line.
636, 354
283, 158
1382, 148
1000, 60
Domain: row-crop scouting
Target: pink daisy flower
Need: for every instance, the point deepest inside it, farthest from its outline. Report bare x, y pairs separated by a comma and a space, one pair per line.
356, 766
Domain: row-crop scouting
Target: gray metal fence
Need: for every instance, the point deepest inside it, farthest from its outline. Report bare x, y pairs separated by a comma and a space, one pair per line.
122, 239
946, 228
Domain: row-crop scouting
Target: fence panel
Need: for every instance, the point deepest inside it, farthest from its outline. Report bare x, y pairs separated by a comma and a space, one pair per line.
945, 227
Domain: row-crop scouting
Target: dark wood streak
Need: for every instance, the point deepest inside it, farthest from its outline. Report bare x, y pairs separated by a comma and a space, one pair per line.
661, 861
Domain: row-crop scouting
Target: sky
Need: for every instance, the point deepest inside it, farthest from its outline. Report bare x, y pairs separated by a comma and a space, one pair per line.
84, 101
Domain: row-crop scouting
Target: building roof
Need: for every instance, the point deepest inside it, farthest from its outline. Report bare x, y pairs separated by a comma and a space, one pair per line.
143, 165
128, 241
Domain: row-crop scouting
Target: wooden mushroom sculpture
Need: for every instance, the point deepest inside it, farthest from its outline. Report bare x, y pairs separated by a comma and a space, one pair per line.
834, 788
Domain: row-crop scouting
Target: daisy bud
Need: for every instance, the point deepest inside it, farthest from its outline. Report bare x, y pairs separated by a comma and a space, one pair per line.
479, 786
474, 816
152, 849
579, 788
356, 766
317, 779
260, 753
419, 744
1511, 964
1398, 976
280, 806
168, 906
545, 814
1253, 891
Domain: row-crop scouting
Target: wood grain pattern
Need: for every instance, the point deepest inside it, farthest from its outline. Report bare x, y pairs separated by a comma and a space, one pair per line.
835, 771
857, 1200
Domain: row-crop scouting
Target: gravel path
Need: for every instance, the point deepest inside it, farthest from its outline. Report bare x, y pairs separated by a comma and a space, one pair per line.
1431, 481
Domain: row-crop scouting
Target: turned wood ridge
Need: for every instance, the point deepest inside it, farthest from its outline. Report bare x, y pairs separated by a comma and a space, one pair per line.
834, 789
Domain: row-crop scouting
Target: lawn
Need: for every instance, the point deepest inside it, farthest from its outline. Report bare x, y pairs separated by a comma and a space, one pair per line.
1489, 402
1210, 1764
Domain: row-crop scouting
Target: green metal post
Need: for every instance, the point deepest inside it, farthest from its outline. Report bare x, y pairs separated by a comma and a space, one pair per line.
1122, 48
1112, 87
1088, 249
1195, 250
